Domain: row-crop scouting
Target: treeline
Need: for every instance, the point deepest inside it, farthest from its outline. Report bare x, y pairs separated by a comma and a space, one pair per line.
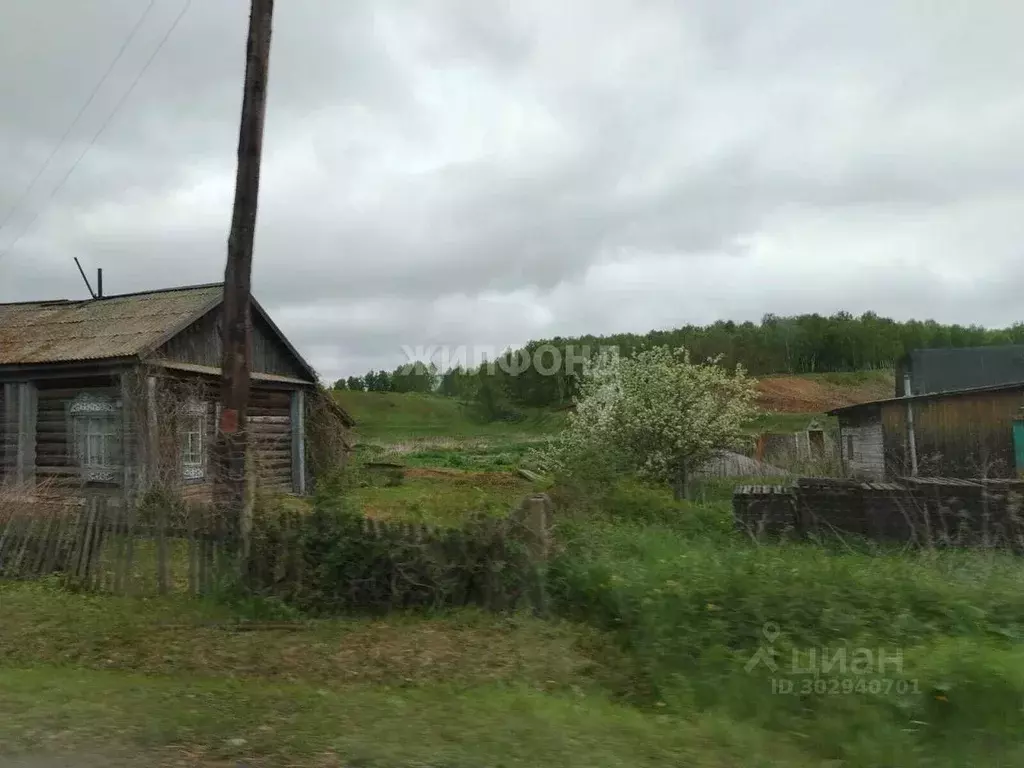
543, 373
814, 343
408, 378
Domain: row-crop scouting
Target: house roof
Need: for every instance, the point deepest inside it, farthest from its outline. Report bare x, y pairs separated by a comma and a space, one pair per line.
114, 327
129, 325
930, 396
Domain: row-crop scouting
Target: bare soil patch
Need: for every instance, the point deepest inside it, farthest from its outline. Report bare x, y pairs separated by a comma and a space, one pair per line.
799, 394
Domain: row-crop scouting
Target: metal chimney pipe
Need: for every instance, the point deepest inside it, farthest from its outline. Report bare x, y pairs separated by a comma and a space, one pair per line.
911, 437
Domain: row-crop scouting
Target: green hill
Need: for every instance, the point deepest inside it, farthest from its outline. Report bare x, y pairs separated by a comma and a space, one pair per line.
392, 415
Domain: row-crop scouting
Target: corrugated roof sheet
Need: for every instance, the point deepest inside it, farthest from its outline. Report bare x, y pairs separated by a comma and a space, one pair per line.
929, 396
98, 329
948, 370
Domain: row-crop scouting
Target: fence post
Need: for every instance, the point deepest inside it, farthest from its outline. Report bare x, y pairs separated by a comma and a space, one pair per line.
162, 564
97, 541
535, 519
43, 543
193, 553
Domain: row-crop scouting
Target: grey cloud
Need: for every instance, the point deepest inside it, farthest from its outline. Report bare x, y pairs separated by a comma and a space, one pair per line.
675, 141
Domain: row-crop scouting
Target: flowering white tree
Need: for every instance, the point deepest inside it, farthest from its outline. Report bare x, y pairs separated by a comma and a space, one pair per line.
656, 413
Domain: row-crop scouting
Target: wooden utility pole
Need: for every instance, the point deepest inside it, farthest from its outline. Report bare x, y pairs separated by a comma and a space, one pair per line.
232, 438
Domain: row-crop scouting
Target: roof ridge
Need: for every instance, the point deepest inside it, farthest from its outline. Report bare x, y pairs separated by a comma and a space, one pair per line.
177, 289
37, 303
155, 292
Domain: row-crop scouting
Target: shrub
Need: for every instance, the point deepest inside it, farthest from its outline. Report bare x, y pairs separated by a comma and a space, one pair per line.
624, 499
657, 414
332, 559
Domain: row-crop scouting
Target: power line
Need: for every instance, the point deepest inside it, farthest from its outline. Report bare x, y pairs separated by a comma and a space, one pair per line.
103, 127
102, 81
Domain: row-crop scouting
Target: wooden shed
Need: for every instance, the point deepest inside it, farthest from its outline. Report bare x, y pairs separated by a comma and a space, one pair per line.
119, 395
961, 433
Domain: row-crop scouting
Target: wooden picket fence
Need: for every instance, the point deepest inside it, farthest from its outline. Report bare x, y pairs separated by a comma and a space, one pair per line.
914, 511
102, 545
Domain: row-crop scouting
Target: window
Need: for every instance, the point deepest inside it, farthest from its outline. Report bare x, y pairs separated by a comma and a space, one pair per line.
193, 441
95, 428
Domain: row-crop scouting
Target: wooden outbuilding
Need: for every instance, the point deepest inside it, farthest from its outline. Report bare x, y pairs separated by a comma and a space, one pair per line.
118, 395
966, 433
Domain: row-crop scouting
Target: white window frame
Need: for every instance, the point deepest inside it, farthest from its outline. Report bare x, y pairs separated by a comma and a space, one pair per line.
96, 432
193, 442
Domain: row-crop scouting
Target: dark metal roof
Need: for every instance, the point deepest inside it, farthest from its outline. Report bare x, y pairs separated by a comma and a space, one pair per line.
930, 395
950, 370
99, 329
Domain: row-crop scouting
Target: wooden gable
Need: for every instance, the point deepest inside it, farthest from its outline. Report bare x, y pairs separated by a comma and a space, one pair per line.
201, 344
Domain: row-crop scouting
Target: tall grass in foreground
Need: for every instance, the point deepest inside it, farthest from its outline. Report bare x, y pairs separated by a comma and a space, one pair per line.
690, 602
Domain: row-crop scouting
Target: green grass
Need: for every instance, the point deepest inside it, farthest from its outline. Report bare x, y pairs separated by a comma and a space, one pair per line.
390, 416
495, 453
474, 461
442, 497
454, 464
296, 724
172, 636
689, 600
790, 422
115, 678
479, 456
660, 606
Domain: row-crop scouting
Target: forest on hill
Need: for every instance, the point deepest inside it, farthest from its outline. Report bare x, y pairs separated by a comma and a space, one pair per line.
796, 344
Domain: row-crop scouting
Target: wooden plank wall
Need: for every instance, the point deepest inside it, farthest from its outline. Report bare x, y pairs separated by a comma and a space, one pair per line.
7, 435
270, 428
959, 436
170, 393
930, 512
53, 449
894, 441
864, 431
201, 344
55, 460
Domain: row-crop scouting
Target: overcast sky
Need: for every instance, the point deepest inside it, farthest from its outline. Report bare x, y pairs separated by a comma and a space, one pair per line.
482, 173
